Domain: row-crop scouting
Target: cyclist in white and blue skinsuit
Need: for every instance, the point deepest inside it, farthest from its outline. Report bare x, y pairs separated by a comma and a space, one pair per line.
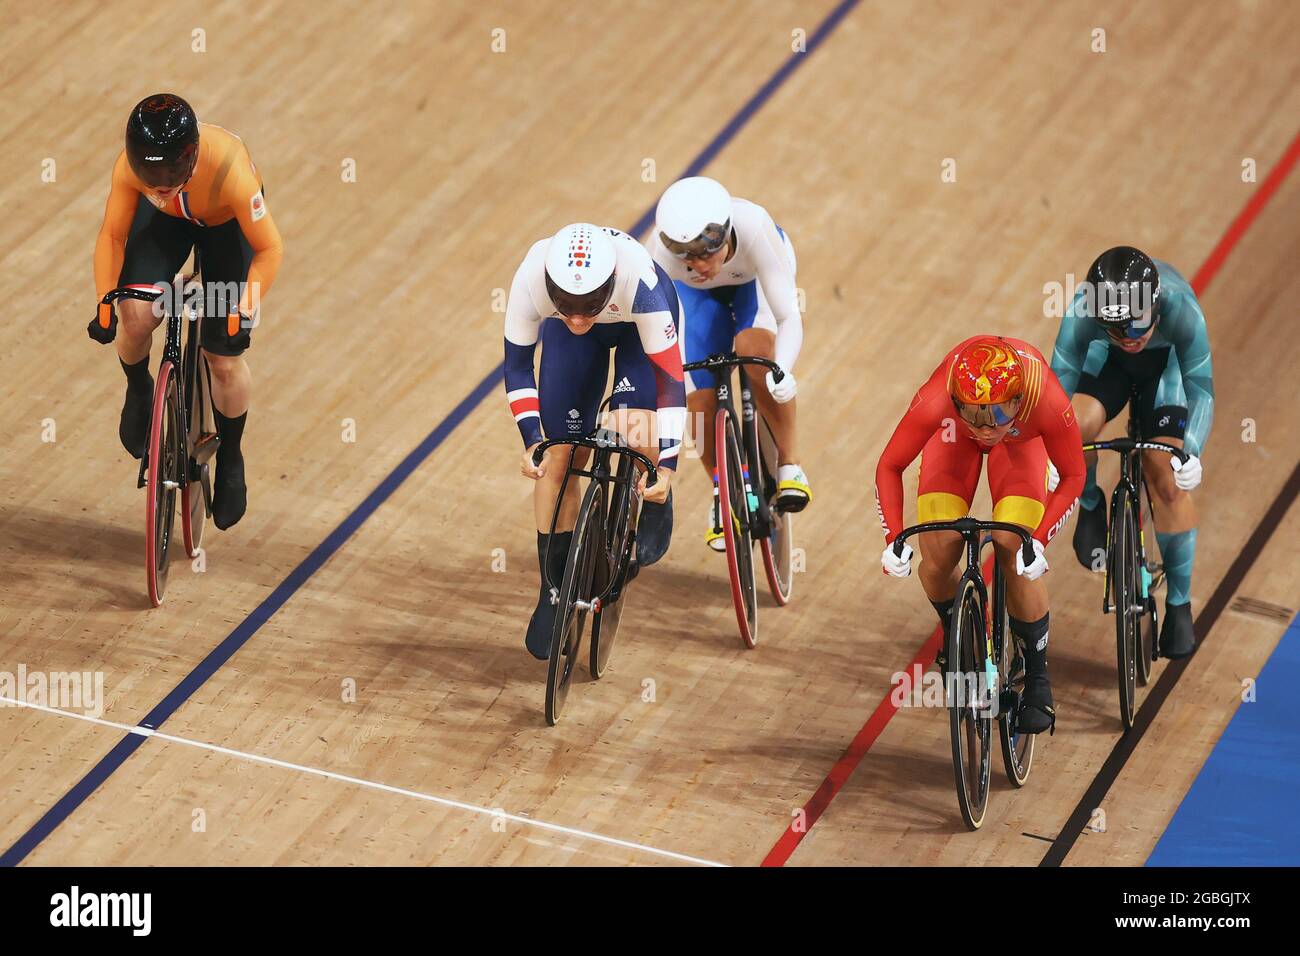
734, 269
589, 294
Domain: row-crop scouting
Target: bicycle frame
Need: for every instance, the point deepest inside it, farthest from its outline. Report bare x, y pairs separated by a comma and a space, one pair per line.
971, 530
184, 359
758, 523
1131, 479
605, 443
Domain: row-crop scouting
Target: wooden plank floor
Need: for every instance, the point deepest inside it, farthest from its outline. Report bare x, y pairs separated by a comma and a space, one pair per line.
384, 316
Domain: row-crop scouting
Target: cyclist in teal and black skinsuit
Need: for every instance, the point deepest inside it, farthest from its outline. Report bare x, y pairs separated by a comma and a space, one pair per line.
1135, 323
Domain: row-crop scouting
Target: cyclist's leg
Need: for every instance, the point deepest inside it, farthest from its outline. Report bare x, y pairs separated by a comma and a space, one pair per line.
1101, 395
756, 335
226, 258
706, 330
1162, 414
780, 417
156, 248
571, 380
950, 471
1018, 486
634, 417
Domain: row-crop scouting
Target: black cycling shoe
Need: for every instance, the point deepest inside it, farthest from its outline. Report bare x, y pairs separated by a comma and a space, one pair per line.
654, 532
1177, 639
133, 429
542, 624
1036, 711
229, 493
540, 629
1090, 535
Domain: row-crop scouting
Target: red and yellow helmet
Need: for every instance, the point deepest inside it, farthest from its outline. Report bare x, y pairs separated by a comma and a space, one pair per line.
987, 381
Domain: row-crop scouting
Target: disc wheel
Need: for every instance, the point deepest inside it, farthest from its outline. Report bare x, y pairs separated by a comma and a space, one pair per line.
1017, 748
604, 629
778, 546
1149, 622
202, 429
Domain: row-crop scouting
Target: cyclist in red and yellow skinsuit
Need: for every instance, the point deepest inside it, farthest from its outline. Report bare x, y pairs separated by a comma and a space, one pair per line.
179, 185
994, 397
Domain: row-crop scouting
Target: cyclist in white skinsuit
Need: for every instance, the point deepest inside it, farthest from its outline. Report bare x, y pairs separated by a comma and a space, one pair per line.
734, 270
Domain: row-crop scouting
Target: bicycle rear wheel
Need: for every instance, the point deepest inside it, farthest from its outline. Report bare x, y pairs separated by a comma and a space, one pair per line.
604, 629
778, 546
1017, 748
1124, 595
1149, 622
165, 470
735, 527
575, 590
969, 721
202, 431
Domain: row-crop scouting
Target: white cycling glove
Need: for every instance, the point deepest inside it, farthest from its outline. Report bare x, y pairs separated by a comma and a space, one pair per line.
783, 390
894, 565
1186, 476
1036, 570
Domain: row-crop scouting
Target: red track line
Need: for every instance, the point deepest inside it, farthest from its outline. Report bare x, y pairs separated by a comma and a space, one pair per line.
885, 710
850, 759
1257, 201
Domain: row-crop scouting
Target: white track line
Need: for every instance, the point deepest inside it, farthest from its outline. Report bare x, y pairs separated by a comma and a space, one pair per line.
369, 784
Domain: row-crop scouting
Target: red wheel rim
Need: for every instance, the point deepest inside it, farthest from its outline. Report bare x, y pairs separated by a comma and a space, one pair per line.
773, 579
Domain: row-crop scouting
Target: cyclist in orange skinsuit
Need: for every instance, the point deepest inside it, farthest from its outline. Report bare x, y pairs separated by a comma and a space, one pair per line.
178, 185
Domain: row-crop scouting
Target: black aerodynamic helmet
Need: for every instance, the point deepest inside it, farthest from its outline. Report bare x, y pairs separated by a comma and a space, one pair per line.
1124, 288
162, 140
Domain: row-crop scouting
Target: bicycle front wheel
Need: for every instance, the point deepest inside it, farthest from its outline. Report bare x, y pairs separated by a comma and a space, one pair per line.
163, 480
1124, 593
968, 713
735, 510
575, 596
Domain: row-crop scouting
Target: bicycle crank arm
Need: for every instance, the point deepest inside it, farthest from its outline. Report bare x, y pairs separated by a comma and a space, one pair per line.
206, 484
206, 447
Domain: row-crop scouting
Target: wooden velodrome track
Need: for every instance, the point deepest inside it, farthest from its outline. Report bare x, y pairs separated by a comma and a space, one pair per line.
383, 314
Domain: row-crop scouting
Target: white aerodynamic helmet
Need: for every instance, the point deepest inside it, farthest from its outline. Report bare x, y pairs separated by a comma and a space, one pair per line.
694, 217
580, 269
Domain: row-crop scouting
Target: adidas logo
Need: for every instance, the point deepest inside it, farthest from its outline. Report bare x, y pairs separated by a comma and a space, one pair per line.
624, 386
